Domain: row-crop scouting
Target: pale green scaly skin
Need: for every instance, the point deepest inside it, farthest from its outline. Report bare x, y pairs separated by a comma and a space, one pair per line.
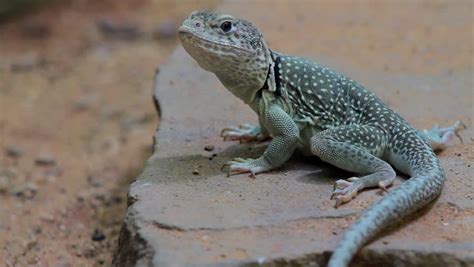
303, 105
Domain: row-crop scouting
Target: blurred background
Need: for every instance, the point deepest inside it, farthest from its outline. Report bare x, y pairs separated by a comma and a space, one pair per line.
77, 116
76, 120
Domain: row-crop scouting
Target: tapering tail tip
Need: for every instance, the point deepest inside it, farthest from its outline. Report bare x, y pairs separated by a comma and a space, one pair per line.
405, 199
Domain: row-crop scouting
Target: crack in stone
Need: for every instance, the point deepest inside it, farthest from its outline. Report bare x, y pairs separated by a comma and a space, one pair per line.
168, 227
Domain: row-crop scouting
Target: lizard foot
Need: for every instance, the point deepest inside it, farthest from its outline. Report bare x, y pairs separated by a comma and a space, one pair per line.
344, 190
252, 166
244, 133
439, 137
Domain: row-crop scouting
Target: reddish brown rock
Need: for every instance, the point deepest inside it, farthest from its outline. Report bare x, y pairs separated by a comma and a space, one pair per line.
285, 217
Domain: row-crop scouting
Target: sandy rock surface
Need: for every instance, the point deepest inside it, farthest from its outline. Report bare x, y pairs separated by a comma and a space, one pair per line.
184, 211
76, 123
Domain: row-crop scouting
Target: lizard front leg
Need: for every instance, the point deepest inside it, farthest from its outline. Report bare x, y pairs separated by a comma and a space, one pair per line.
247, 132
285, 135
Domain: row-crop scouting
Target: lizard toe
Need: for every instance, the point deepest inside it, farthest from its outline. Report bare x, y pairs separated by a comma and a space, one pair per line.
241, 165
345, 191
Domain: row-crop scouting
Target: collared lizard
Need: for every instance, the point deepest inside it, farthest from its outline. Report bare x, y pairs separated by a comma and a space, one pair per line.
303, 105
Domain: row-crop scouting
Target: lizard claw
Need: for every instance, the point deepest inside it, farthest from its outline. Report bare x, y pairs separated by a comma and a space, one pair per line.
344, 190
241, 165
252, 175
383, 188
228, 129
339, 185
244, 133
459, 125
385, 184
338, 203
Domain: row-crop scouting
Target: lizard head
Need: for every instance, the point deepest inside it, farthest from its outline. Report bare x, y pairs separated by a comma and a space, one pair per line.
231, 48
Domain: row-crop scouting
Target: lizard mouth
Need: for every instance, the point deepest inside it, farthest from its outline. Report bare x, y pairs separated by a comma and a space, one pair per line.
187, 35
182, 30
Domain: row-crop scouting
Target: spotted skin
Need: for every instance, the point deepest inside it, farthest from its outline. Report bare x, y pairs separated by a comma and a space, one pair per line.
306, 106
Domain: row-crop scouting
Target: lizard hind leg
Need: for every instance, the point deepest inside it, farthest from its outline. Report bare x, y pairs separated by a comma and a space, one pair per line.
354, 148
438, 138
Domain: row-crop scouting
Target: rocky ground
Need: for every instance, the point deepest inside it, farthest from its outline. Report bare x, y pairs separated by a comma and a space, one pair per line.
76, 122
184, 211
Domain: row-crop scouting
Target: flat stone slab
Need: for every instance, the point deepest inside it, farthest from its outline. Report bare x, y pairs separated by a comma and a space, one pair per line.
183, 211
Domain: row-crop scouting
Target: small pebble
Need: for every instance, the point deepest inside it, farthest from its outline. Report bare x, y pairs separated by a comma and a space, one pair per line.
82, 196
37, 230
209, 147
14, 151
89, 252
45, 159
196, 172
117, 199
83, 103
98, 236
93, 181
29, 62
46, 217
29, 244
32, 260
26, 192
4, 184
54, 172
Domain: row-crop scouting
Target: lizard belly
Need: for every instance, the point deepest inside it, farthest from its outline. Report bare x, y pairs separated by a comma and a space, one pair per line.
398, 162
306, 133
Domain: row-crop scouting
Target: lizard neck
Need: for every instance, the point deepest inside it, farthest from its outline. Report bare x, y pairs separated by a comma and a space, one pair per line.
250, 76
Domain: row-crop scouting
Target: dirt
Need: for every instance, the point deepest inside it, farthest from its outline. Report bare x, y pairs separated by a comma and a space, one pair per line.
416, 56
76, 122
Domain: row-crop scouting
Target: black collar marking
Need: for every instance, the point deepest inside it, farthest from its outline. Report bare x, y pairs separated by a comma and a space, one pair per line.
276, 69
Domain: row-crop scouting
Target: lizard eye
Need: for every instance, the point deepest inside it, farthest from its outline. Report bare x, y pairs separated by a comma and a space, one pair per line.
226, 26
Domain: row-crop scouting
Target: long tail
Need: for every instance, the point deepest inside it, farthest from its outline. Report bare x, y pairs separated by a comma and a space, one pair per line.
423, 187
